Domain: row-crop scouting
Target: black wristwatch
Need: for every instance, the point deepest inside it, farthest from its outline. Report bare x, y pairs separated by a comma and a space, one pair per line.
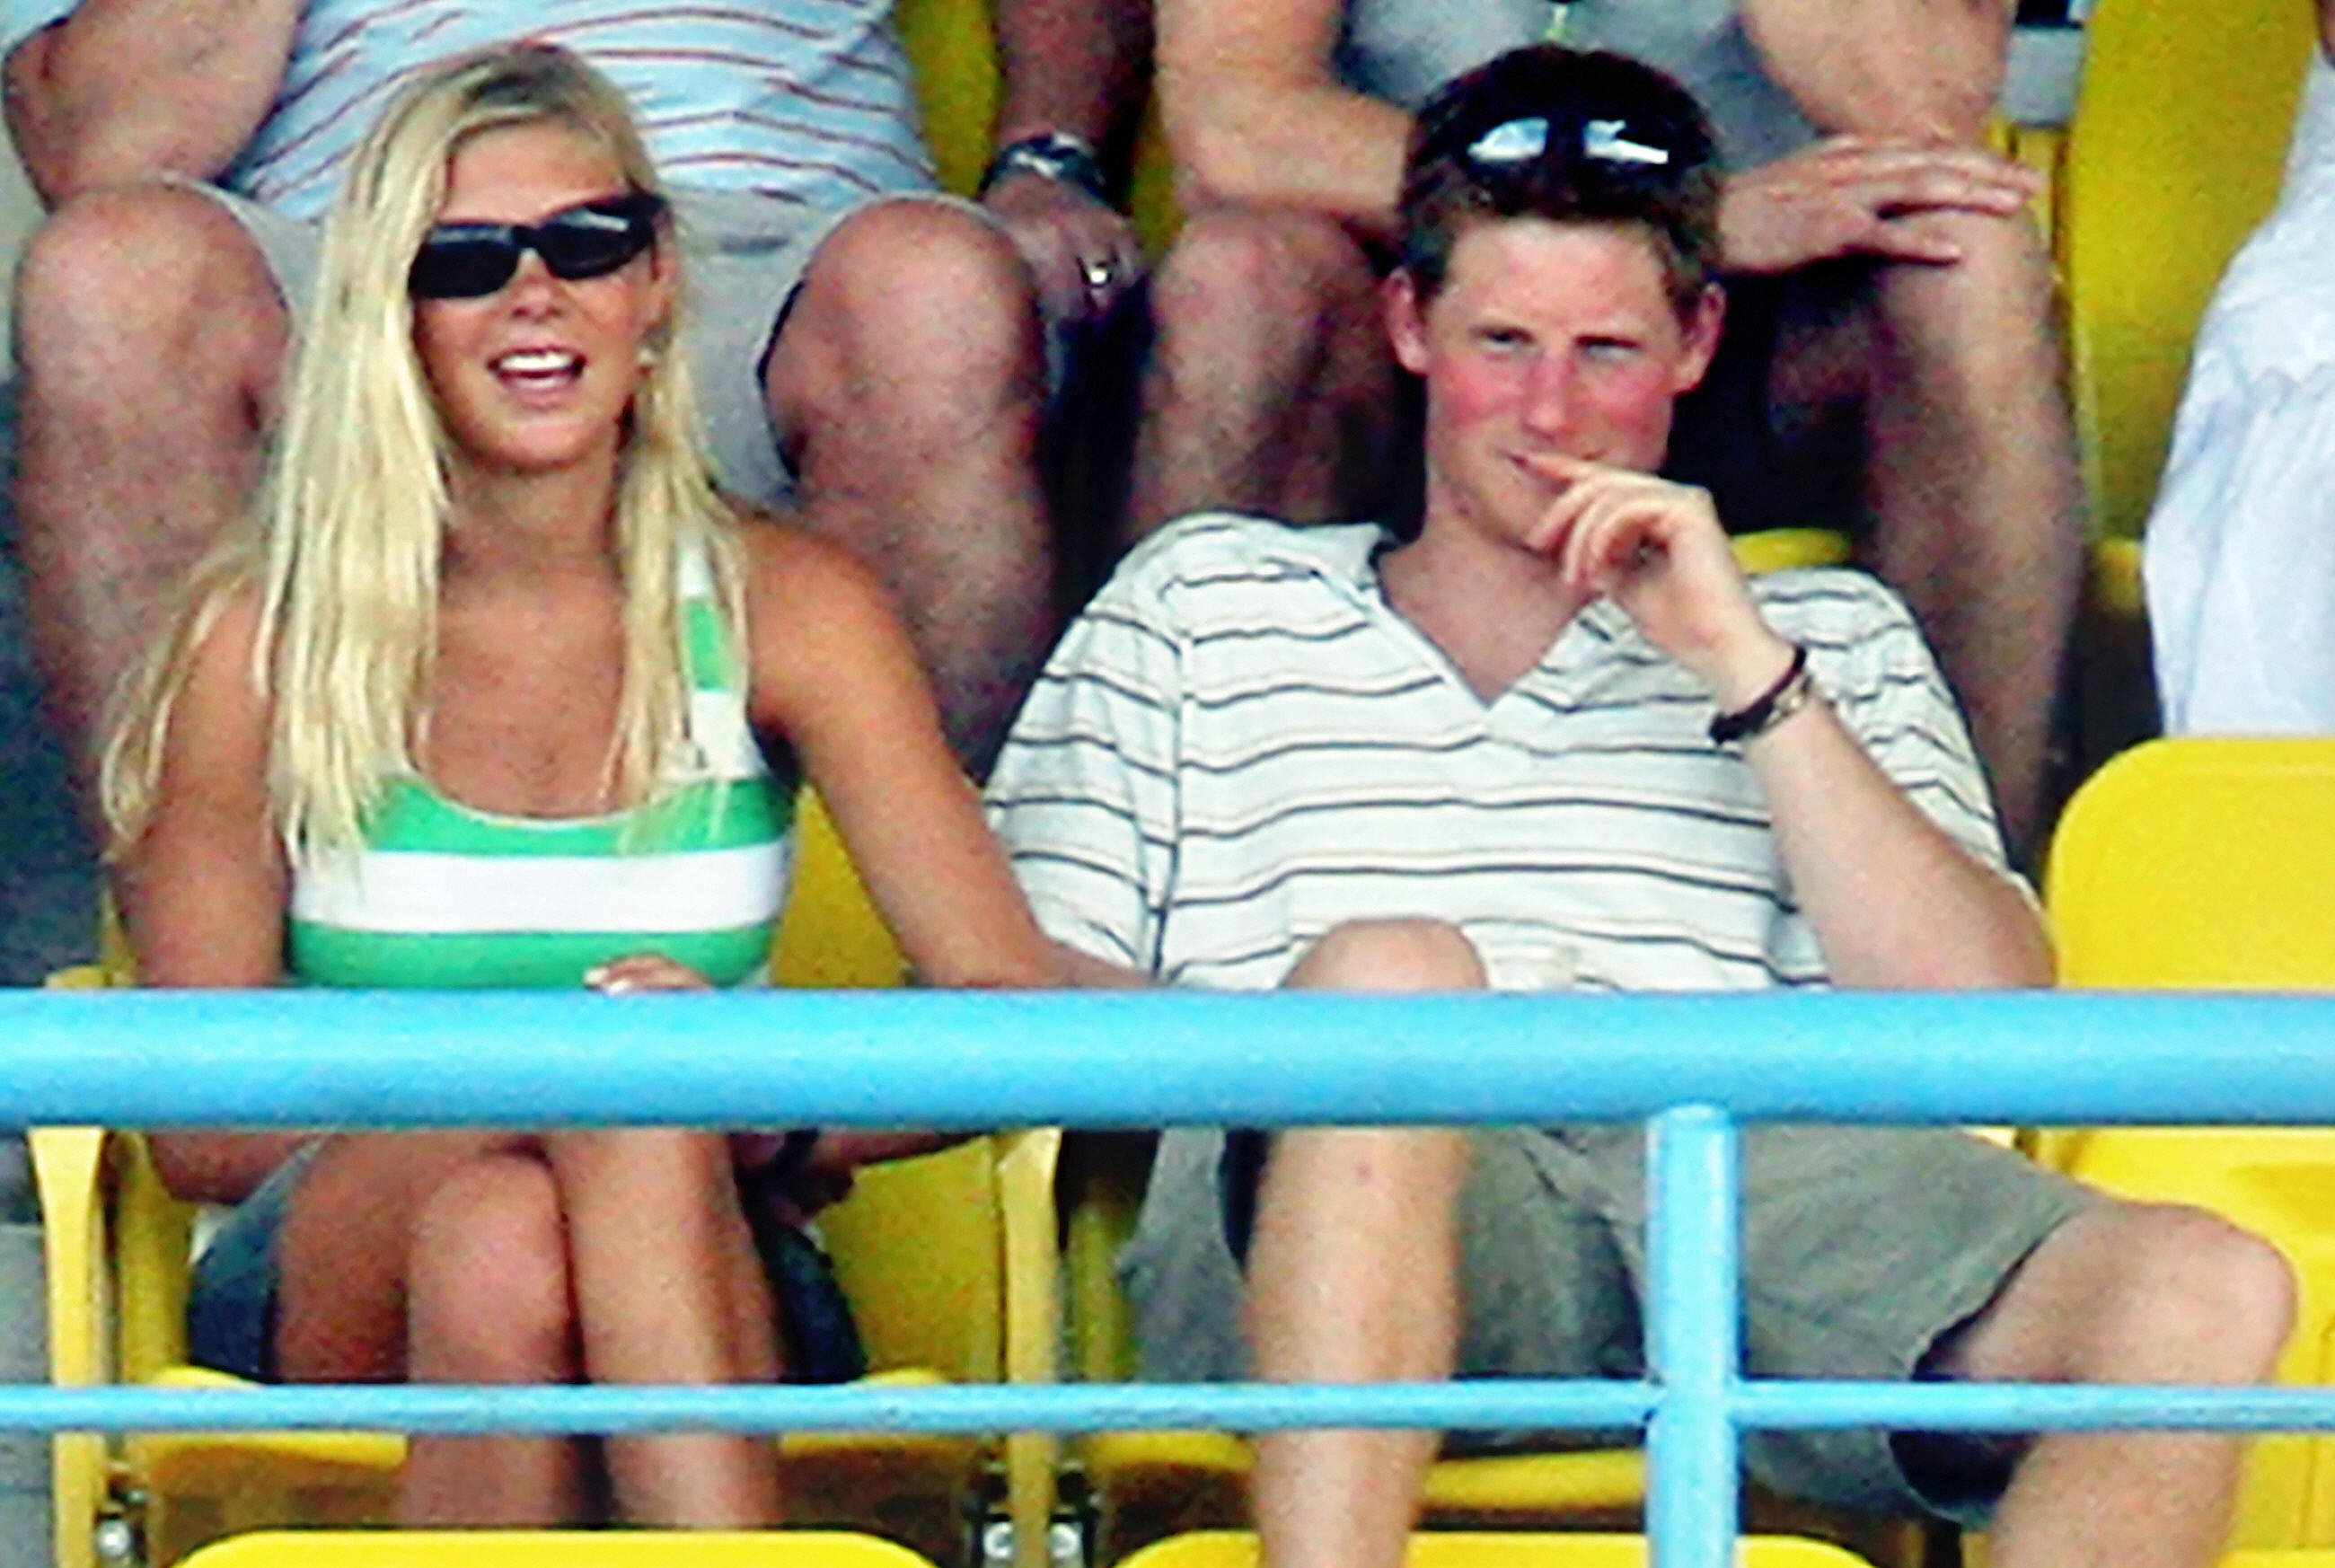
1055, 155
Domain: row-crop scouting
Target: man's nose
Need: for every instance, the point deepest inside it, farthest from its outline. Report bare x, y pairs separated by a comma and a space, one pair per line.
1551, 394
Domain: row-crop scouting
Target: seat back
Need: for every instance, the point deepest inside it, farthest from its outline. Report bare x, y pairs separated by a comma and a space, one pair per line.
1474, 1549
554, 1549
2174, 157
2202, 861
953, 51
2209, 862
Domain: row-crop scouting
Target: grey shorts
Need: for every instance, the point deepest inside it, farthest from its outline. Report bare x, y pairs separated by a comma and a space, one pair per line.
1861, 1248
743, 256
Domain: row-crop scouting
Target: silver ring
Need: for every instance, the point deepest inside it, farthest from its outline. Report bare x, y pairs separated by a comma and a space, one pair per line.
1099, 273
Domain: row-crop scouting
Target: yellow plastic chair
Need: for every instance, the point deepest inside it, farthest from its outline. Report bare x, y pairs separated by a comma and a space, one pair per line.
1455, 1549
2210, 864
555, 1549
920, 1247
2174, 156
953, 51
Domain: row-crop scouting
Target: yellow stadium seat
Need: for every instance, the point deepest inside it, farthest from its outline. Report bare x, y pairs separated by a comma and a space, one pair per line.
1457, 1549
2210, 864
919, 1246
555, 1549
953, 51
2174, 153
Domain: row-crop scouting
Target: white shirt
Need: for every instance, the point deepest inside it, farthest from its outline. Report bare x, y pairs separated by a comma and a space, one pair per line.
1240, 744
2239, 551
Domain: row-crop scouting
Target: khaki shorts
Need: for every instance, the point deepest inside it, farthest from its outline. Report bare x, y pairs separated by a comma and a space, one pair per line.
1861, 1248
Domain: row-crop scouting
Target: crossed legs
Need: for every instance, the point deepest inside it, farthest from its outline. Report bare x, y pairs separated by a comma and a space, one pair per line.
607, 1256
1354, 1276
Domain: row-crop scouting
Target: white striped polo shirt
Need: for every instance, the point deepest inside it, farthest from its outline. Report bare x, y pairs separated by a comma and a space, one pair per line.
444, 895
809, 102
1240, 745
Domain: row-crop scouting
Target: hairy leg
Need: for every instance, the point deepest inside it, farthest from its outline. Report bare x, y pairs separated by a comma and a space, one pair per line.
1975, 483
152, 337
489, 1302
1270, 379
2128, 1293
1354, 1277
668, 1289
906, 388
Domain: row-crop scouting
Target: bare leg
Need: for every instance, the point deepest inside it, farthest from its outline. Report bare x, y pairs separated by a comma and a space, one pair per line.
2135, 1295
907, 388
1270, 379
341, 1305
1354, 1277
666, 1283
489, 1302
152, 337
1974, 479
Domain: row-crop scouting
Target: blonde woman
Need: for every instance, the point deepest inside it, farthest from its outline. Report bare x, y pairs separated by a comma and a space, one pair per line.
493, 689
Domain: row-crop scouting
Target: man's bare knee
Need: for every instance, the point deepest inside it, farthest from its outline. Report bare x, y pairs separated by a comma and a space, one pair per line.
1391, 955
919, 305
1260, 287
2140, 1292
147, 282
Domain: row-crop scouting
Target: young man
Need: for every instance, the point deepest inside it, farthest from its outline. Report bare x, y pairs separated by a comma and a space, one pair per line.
1556, 740
1890, 366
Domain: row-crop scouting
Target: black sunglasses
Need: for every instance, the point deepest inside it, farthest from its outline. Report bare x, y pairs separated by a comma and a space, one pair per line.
592, 239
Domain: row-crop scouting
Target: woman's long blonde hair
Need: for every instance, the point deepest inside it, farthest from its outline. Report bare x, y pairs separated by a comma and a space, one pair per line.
344, 539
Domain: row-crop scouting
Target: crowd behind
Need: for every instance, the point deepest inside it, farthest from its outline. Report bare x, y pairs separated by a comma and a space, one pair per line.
479, 463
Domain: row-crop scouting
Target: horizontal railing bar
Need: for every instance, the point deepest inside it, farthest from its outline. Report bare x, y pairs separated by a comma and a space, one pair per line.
1487, 1404
851, 1406
942, 1058
1778, 1405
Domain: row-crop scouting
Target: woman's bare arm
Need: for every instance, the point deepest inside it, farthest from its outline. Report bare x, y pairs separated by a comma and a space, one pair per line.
202, 890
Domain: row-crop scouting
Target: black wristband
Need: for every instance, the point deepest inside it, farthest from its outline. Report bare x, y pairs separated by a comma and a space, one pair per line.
1055, 155
1777, 701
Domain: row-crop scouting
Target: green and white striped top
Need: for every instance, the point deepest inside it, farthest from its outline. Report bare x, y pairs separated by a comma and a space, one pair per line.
443, 894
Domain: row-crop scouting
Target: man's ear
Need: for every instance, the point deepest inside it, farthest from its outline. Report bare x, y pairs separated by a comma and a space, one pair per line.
1703, 323
1406, 320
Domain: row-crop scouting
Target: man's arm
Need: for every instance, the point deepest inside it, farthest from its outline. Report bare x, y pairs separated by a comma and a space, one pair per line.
122, 90
1925, 70
1896, 902
1070, 67
1257, 117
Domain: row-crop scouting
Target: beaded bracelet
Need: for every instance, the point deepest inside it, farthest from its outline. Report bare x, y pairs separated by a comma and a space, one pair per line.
1770, 707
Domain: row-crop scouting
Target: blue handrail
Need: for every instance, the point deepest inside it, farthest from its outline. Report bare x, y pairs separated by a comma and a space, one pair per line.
1694, 1067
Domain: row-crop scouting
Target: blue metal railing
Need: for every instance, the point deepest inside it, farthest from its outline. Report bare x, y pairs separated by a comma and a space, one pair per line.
1693, 1066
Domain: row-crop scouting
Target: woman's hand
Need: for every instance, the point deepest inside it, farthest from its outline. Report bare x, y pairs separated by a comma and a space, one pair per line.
1656, 549
644, 972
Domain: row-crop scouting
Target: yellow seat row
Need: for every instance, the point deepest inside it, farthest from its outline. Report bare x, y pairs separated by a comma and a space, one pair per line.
2191, 864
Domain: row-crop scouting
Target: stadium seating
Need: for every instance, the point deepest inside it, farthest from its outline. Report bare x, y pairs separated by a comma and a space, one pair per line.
919, 1246
2210, 864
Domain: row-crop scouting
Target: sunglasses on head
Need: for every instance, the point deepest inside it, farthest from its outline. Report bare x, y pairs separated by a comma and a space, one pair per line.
591, 239
1616, 150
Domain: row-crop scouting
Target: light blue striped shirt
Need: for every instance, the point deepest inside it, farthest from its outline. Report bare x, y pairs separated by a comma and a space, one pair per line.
807, 100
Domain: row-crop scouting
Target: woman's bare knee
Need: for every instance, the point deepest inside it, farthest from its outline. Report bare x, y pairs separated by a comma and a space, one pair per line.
488, 1295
